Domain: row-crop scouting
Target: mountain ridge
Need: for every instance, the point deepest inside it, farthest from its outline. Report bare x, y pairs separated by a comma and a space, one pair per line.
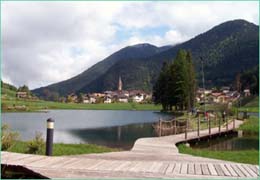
233, 43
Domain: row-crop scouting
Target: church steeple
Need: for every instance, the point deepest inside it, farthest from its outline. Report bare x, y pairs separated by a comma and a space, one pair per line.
120, 84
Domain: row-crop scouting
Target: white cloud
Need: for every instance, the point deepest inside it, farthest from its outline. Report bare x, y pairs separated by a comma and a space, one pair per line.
46, 42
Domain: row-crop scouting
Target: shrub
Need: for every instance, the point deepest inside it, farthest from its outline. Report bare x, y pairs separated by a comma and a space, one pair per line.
8, 138
36, 146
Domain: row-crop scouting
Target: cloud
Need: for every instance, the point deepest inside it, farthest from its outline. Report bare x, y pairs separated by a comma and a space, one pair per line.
46, 42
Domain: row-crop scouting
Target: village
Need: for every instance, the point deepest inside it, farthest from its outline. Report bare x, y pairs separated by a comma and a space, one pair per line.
224, 95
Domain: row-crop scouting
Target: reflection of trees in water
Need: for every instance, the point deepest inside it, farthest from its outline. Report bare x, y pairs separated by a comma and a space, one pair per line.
118, 136
229, 143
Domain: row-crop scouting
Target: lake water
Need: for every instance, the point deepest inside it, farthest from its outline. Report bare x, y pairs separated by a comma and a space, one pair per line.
228, 143
103, 127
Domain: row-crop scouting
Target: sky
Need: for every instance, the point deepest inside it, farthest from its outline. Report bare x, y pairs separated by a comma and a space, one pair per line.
47, 42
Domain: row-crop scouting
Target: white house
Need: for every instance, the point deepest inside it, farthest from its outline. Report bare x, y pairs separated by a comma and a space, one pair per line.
86, 101
247, 92
92, 100
138, 98
122, 98
107, 100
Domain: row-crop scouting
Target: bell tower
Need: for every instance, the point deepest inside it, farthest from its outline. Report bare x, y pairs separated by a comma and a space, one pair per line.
120, 84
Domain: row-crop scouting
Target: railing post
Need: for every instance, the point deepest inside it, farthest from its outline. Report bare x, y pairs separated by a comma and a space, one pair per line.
209, 125
160, 127
198, 125
175, 128
226, 121
49, 136
186, 128
219, 125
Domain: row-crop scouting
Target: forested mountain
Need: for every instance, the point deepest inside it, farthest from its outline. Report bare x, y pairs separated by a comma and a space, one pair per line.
226, 49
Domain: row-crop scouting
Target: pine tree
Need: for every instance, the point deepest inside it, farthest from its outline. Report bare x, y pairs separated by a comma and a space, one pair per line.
176, 84
191, 81
160, 90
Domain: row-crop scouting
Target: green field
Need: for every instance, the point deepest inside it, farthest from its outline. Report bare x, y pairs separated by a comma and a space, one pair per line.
250, 156
252, 106
42, 105
60, 149
250, 127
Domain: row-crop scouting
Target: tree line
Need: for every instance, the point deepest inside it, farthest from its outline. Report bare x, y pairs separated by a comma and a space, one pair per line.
176, 84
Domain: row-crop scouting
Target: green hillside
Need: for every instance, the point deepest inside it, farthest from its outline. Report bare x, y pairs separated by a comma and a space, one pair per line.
226, 50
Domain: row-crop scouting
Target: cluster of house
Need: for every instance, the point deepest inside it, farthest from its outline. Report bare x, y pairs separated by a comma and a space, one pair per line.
224, 95
25, 95
122, 96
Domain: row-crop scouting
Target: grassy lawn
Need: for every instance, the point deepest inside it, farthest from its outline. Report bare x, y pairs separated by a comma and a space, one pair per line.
250, 126
248, 156
252, 106
60, 149
41, 105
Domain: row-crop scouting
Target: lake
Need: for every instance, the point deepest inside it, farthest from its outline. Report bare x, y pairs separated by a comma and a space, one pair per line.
103, 127
230, 142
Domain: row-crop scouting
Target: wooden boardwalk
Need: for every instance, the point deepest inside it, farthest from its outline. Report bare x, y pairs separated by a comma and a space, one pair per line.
150, 157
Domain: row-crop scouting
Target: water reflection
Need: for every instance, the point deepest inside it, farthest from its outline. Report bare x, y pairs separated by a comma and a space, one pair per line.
104, 127
118, 136
230, 143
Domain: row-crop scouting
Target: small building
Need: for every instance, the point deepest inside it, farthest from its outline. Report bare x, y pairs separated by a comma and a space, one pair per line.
86, 100
21, 94
72, 98
225, 89
122, 98
247, 92
138, 98
107, 100
92, 99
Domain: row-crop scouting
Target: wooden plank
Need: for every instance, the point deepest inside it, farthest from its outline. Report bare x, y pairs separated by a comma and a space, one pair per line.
243, 170
198, 170
157, 167
251, 172
122, 166
45, 162
114, 165
163, 168
151, 167
237, 170
212, 170
225, 170
145, 166
25, 159
96, 165
134, 166
107, 165
177, 168
184, 168
254, 168
32, 160
191, 169
204, 169
63, 163
9, 158
170, 168
231, 170
219, 170
77, 163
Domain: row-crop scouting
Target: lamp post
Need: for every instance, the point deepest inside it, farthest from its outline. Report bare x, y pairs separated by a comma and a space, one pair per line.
49, 137
203, 84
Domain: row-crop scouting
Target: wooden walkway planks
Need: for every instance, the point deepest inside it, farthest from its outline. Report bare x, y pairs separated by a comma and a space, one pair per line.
150, 157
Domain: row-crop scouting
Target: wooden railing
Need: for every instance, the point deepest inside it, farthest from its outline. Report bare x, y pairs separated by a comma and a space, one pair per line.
177, 126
